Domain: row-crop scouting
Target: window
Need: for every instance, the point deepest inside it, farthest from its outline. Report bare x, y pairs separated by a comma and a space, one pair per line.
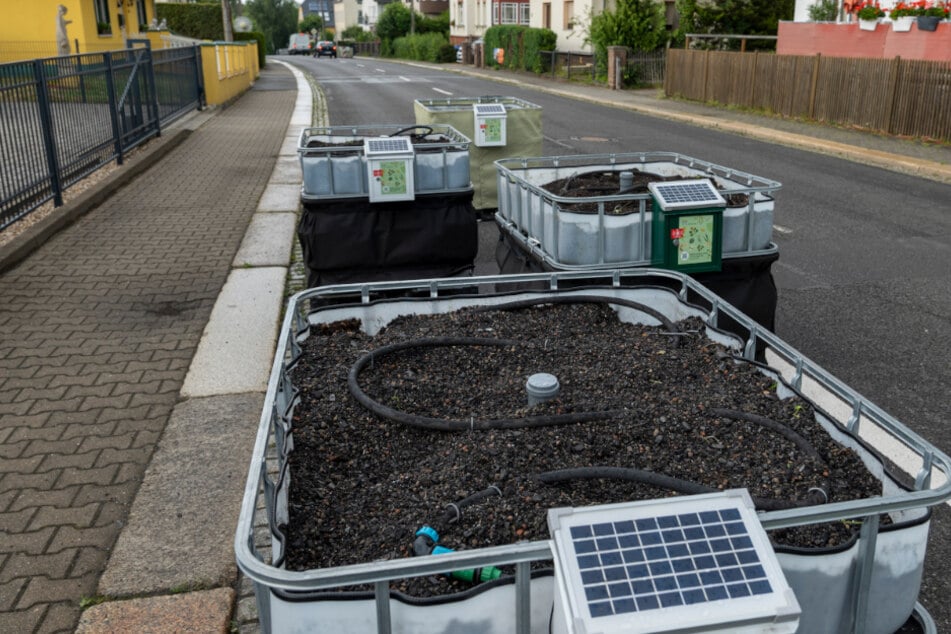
141, 14
569, 14
546, 15
103, 19
511, 13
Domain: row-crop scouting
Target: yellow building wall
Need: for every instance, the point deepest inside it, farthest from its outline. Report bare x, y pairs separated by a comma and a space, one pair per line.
30, 26
228, 68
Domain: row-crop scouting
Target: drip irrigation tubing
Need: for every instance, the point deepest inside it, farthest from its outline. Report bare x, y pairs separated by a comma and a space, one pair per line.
815, 495
588, 299
453, 512
786, 432
449, 425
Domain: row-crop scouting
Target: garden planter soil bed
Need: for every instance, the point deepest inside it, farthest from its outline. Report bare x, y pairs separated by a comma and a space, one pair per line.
601, 183
362, 485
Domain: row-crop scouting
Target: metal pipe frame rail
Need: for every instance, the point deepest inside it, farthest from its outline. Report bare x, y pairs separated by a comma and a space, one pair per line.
280, 400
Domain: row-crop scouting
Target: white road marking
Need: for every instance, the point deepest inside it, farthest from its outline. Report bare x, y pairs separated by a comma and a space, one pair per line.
781, 229
379, 70
405, 78
445, 92
557, 142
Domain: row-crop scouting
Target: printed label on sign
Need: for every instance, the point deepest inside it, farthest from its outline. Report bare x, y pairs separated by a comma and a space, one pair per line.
493, 130
377, 173
696, 239
676, 233
393, 177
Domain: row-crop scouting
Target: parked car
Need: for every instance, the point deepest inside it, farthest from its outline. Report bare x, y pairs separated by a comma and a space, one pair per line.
325, 47
299, 44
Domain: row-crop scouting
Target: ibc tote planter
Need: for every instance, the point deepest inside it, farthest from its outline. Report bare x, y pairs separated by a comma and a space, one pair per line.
337, 478
568, 213
523, 135
385, 202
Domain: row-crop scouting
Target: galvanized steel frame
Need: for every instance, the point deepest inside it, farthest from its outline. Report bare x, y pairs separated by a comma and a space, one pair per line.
281, 397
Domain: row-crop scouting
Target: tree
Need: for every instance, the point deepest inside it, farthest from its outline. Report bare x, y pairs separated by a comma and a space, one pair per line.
276, 19
226, 20
394, 22
638, 24
733, 17
312, 23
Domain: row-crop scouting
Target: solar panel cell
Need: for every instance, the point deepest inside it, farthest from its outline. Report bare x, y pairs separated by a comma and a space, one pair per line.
669, 562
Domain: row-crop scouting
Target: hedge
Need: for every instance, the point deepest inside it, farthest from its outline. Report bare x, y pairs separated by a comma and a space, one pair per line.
426, 47
262, 47
521, 45
200, 21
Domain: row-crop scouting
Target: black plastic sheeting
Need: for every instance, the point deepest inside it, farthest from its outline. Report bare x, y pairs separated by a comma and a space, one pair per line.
746, 282
354, 240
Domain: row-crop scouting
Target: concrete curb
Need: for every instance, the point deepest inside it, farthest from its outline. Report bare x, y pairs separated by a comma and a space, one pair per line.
175, 538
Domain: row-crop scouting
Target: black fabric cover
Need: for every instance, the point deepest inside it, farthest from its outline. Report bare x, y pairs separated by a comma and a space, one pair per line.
746, 282
350, 236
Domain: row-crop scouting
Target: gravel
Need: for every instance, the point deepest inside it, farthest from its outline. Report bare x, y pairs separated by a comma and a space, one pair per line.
362, 484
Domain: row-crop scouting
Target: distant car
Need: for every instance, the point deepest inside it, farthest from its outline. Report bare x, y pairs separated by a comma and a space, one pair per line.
325, 48
299, 44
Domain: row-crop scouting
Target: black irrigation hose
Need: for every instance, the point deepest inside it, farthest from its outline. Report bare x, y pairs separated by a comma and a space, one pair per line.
442, 424
587, 299
786, 432
814, 496
415, 127
454, 509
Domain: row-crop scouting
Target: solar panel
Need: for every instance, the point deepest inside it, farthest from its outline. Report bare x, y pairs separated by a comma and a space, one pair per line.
388, 145
690, 194
489, 109
669, 565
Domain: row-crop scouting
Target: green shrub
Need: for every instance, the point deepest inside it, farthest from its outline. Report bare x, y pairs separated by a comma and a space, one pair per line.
824, 11
200, 21
521, 45
426, 47
254, 35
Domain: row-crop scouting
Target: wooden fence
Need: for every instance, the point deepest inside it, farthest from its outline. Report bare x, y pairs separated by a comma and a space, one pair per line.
895, 96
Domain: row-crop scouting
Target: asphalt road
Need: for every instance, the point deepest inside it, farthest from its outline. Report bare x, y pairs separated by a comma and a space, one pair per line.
864, 274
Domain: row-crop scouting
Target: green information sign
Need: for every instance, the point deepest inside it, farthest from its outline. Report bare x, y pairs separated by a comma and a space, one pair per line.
393, 177
493, 130
696, 243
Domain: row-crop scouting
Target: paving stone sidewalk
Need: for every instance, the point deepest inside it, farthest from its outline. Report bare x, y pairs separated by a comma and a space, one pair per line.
97, 331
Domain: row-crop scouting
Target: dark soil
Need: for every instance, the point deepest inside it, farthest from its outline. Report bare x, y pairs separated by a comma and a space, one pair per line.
600, 183
417, 139
362, 485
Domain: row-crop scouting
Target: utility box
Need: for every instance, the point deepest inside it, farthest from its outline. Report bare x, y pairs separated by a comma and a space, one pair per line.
489, 124
687, 225
521, 135
390, 168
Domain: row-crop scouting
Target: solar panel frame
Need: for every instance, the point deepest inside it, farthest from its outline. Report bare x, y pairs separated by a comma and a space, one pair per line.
489, 109
669, 565
698, 193
387, 146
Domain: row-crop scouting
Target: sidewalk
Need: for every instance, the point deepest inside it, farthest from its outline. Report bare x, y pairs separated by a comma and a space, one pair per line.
135, 356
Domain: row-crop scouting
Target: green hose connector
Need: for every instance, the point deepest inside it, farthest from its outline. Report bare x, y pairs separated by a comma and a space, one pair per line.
425, 544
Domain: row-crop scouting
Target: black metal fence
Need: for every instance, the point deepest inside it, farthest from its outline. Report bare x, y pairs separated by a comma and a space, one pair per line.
641, 69
62, 118
644, 69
